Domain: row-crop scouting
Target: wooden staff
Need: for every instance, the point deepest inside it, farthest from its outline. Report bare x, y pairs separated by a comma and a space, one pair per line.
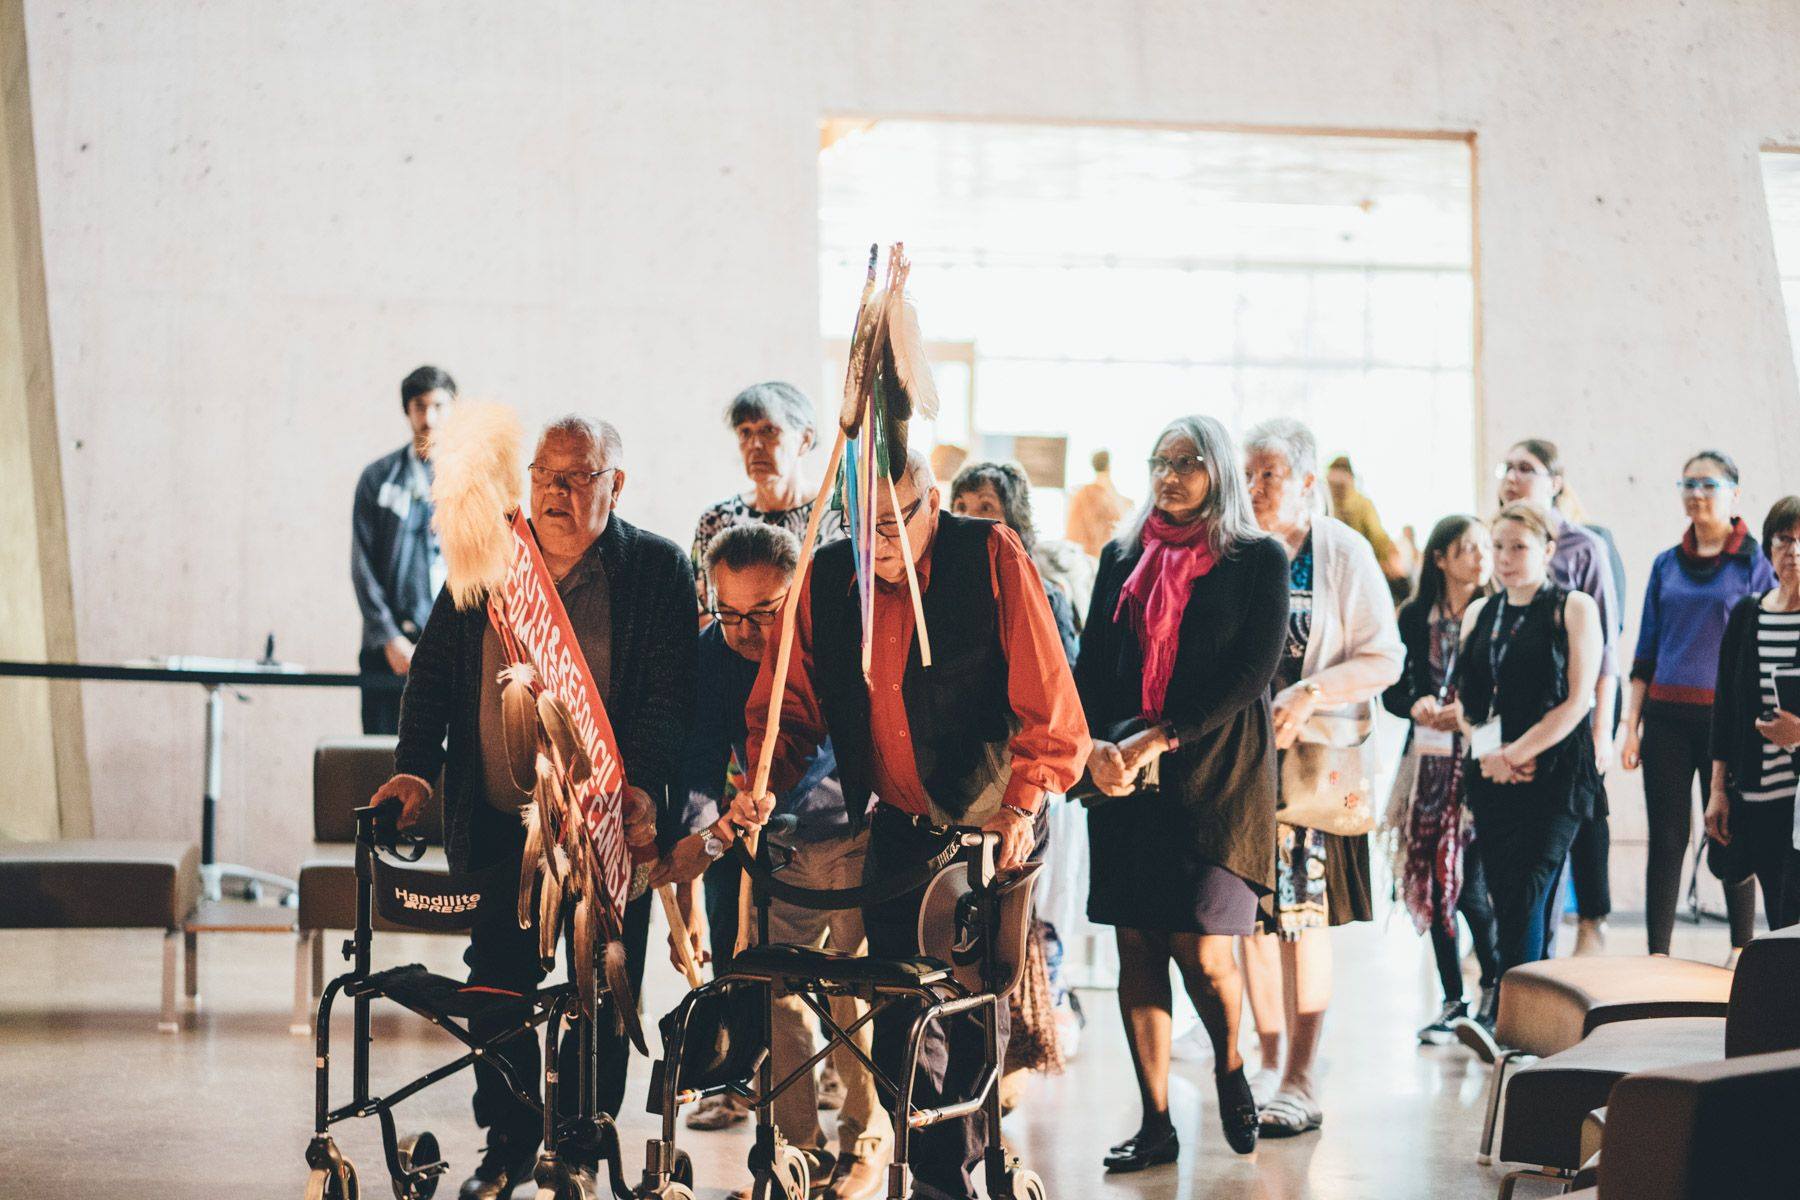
679, 928
765, 759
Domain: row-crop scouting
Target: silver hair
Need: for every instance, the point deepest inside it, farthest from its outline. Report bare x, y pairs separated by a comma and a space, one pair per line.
918, 469
1295, 442
601, 435
782, 403
1226, 508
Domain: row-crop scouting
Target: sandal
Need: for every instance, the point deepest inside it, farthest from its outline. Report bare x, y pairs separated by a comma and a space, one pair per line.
1288, 1115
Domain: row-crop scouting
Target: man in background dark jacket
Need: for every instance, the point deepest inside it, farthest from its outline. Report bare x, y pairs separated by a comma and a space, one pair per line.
395, 563
629, 595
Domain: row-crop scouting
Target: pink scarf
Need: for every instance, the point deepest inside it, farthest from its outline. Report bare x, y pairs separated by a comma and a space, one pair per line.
1157, 595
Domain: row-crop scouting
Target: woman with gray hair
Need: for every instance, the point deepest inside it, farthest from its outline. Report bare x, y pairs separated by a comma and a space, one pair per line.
775, 426
1186, 626
1343, 648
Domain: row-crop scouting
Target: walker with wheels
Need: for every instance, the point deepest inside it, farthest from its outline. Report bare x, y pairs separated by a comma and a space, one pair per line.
716, 1040
447, 903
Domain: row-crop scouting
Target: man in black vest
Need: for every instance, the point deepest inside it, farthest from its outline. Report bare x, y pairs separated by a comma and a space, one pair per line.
978, 738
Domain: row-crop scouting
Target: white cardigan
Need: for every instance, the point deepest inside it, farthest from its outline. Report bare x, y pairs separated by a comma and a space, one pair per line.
1353, 612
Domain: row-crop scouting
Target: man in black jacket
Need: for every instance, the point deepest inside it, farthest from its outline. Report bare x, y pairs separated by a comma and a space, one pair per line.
629, 595
395, 563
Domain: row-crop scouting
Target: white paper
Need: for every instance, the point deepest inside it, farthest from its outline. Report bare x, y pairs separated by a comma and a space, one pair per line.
1485, 739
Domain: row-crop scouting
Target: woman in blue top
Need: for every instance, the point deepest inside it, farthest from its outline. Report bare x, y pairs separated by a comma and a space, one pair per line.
1692, 589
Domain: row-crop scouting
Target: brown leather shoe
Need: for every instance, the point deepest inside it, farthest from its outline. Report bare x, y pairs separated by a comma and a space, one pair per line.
857, 1178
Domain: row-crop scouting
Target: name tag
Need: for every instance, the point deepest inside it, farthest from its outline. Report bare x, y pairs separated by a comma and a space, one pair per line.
1485, 739
1436, 743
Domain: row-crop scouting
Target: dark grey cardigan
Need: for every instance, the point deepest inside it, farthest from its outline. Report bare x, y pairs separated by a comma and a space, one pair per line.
1232, 635
654, 624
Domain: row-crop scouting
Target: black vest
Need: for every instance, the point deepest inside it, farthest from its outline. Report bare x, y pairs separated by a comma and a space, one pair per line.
958, 711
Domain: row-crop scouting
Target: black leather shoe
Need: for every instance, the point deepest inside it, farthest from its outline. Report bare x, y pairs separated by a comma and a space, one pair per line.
1237, 1111
1143, 1149
498, 1173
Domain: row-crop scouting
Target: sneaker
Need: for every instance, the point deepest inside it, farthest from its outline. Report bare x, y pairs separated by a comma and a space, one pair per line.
718, 1112
1439, 1032
1489, 1009
831, 1088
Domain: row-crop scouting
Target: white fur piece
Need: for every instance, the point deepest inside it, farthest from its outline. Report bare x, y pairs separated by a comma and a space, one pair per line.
476, 460
519, 672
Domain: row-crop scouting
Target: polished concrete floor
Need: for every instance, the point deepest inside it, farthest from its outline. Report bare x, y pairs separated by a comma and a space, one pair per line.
224, 1107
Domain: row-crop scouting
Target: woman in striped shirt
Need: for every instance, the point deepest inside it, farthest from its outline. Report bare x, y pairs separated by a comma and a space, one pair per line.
1754, 771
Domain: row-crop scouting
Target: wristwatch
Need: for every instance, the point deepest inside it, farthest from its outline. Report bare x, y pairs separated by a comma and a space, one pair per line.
712, 844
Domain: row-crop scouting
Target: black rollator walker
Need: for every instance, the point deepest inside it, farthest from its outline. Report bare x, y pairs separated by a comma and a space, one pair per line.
446, 903
717, 1039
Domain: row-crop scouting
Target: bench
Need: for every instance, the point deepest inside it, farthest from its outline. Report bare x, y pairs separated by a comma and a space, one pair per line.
1546, 1007
1703, 1130
94, 884
1549, 1100
346, 772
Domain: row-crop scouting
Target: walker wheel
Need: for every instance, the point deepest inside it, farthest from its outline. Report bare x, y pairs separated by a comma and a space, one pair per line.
418, 1152
326, 1183
786, 1179
681, 1171
1025, 1184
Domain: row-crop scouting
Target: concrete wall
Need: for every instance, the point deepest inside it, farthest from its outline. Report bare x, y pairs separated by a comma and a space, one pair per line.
258, 216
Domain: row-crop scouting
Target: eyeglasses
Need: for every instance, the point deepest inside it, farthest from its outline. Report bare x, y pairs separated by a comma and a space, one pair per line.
568, 481
1520, 468
1702, 485
1783, 543
1183, 465
887, 527
762, 618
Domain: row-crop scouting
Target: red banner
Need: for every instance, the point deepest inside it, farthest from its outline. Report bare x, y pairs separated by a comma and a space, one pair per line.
529, 616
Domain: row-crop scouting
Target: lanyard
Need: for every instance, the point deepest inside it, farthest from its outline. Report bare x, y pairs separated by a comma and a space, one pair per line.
1500, 638
1451, 654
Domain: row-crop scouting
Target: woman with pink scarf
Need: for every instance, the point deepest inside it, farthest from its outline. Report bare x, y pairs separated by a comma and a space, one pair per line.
1187, 624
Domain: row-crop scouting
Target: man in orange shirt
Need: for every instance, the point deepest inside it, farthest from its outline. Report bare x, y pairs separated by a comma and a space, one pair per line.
1096, 508
978, 738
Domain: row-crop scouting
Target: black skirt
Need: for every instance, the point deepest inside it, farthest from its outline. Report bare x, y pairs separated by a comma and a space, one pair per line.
1147, 871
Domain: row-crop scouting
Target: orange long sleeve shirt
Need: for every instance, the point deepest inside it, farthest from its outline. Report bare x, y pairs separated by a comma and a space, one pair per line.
1047, 753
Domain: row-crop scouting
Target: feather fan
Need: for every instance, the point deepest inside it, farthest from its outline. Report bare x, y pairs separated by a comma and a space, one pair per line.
476, 459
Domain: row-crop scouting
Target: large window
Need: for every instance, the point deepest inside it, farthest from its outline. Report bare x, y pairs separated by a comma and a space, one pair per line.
1092, 282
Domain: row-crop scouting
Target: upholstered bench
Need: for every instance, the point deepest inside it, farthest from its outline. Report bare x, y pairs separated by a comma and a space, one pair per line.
91, 884
346, 772
1703, 1130
1546, 1007
1547, 1100
1765, 996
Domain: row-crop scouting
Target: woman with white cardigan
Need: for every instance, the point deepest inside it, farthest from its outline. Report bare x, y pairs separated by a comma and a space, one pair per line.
1343, 650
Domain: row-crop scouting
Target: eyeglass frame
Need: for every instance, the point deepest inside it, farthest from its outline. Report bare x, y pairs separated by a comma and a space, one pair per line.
731, 618
1159, 464
566, 479
889, 528
1703, 484
1523, 470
